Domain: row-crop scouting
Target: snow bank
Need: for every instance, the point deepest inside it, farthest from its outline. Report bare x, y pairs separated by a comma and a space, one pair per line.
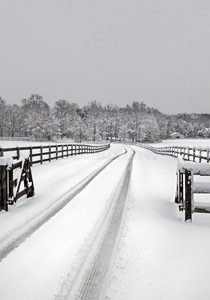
195, 168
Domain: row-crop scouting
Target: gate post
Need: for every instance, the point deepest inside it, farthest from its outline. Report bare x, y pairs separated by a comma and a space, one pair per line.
3, 185
188, 195
181, 187
179, 193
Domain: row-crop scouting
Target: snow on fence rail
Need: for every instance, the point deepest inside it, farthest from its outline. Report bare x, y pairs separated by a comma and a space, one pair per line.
192, 161
195, 154
15, 181
40, 154
16, 177
187, 187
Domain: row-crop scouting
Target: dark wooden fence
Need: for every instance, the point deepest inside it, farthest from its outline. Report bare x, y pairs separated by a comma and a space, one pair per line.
197, 158
12, 187
40, 154
187, 186
195, 154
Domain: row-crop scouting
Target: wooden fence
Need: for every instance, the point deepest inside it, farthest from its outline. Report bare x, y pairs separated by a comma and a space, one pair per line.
16, 178
197, 164
187, 186
40, 154
195, 154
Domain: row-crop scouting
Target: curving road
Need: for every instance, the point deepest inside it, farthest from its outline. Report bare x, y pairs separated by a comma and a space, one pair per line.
40, 237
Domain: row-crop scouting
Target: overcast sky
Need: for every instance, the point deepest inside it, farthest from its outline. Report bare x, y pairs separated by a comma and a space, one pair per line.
112, 51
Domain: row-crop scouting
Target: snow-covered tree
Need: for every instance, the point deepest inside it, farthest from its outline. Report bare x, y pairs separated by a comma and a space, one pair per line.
36, 117
2, 116
93, 120
13, 123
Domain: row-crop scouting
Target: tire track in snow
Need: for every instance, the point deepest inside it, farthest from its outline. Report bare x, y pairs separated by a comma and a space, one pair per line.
93, 276
21, 234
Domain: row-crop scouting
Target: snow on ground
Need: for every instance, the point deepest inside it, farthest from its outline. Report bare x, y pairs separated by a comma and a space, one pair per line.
52, 180
183, 142
159, 256
8, 144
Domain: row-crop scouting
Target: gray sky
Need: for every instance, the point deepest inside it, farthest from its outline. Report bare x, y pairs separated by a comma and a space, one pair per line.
112, 51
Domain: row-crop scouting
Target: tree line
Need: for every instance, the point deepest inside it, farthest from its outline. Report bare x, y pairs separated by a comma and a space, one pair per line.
135, 122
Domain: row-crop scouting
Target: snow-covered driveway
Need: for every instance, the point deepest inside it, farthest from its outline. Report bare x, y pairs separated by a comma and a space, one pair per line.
154, 253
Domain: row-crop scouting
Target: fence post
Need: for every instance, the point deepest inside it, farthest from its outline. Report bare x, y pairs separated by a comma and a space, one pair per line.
188, 153
181, 187
3, 185
41, 154
62, 150
10, 183
193, 154
49, 153
200, 154
185, 153
31, 156
18, 153
207, 154
188, 195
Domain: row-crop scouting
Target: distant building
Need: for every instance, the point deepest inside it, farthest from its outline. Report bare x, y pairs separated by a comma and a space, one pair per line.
176, 135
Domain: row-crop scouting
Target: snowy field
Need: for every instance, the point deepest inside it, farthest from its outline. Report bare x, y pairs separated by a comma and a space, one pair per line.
183, 142
157, 256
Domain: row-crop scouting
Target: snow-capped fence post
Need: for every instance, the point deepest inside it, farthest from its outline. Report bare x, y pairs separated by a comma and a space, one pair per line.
188, 195
3, 185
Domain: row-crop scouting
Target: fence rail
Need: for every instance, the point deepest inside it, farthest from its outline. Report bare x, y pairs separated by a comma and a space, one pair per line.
187, 186
198, 158
16, 177
195, 154
40, 154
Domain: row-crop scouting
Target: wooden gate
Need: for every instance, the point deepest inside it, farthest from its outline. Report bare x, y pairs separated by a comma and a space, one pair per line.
187, 186
15, 181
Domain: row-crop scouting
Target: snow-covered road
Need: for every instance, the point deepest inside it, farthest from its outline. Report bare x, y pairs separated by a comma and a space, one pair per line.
154, 254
